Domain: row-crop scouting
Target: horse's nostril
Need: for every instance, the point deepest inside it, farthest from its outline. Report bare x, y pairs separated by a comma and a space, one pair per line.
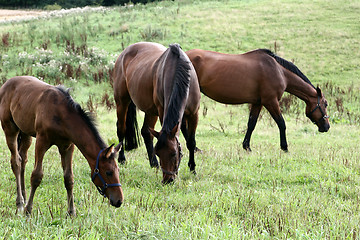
117, 204
169, 180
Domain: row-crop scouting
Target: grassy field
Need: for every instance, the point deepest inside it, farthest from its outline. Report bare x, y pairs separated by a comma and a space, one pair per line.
311, 192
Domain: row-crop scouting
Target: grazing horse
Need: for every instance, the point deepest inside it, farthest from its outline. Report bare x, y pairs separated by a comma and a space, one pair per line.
260, 78
162, 83
32, 108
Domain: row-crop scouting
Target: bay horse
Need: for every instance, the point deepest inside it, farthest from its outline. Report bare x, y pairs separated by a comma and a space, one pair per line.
260, 78
31, 108
162, 83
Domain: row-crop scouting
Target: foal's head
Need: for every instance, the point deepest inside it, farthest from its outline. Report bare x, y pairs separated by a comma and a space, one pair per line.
168, 149
105, 175
316, 112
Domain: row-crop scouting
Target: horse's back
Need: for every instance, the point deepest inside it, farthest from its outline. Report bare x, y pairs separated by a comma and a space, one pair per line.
234, 78
134, 74
137, 57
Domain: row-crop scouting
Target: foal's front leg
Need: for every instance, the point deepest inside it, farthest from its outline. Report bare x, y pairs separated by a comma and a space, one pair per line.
11, 133
24, 142
41, 146
66, 152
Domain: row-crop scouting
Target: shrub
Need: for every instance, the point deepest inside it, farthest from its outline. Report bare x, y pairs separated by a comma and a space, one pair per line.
52, 7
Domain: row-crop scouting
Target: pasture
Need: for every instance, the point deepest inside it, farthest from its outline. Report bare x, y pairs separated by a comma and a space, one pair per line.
311, 192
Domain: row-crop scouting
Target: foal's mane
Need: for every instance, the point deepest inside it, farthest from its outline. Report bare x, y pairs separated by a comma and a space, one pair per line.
288, 65
88, 117
179, 92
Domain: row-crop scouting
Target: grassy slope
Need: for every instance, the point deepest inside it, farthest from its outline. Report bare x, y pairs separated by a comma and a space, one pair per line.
309, 193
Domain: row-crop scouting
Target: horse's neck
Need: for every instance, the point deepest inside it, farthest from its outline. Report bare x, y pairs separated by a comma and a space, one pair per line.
299, 88
85, 141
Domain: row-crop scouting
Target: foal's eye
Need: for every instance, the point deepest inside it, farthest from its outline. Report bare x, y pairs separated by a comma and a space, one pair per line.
109, 173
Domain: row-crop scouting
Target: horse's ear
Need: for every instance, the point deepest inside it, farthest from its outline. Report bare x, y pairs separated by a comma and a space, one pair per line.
174, 130
109, 151
118, 147
154, 133
318, 91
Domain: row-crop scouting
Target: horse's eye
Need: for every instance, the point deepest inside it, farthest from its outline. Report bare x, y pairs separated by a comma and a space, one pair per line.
109, 173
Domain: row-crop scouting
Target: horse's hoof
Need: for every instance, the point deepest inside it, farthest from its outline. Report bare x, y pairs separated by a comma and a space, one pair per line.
121, 160
27, 211
154, 163
285, 149
20, 210
248, 149
193, 172
198, 150
71, 214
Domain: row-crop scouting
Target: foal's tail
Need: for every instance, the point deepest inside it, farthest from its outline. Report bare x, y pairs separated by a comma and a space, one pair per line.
132, 129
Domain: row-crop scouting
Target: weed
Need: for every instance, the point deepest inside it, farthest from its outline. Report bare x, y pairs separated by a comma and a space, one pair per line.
5, 40
151, 34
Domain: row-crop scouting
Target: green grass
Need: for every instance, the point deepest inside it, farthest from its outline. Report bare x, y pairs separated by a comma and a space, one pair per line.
311, 192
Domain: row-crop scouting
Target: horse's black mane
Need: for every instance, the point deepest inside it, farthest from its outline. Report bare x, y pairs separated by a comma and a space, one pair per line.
288, 65
88, 117
179, 92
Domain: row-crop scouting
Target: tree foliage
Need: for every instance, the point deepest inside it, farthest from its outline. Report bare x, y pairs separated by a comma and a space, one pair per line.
66, 3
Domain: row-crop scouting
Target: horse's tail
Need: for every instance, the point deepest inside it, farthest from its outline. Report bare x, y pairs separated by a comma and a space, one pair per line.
132, 129
288, 65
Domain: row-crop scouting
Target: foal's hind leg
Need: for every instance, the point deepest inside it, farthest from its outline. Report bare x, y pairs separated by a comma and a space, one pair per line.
66, 152
41, 146
274, 110
11, 133
149, 122
253, 117
24, 142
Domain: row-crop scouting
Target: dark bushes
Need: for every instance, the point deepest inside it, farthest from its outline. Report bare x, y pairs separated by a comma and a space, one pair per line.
66, 3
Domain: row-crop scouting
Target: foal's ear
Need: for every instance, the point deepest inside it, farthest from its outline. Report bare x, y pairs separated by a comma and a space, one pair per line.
318, 91
154, 133
109, 151
118, 147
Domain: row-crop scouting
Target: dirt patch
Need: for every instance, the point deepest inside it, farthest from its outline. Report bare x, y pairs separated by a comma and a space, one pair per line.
15, 15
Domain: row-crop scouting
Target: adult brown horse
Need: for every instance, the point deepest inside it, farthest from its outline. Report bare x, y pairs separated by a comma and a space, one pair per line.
162, 83
260, 78
32, 108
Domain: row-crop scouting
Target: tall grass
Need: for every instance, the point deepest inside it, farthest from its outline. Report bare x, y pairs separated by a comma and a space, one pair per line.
311, 192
